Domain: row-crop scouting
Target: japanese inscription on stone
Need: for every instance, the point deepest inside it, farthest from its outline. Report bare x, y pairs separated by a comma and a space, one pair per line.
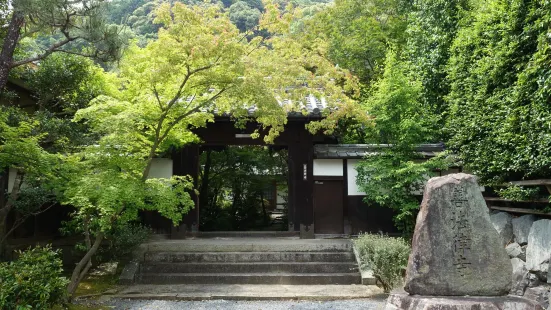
461, 229
456, 251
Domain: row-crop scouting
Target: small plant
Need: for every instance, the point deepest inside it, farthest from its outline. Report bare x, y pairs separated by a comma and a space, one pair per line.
33, 281
387, 257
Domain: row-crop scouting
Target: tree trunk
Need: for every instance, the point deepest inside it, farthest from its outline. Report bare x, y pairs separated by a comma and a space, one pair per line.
3, 229
80, 269
88, 243
5, 210
10, 42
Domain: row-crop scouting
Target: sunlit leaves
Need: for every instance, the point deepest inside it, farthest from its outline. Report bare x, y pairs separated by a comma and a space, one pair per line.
499, 117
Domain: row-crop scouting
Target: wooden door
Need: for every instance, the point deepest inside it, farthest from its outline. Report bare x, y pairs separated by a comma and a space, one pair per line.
328, 207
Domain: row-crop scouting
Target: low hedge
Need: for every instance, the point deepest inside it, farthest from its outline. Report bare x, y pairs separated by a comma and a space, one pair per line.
385, 256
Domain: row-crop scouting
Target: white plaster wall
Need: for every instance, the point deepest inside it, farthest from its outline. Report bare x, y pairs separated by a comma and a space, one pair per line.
11, 178
353, 189
161, 168
328, 167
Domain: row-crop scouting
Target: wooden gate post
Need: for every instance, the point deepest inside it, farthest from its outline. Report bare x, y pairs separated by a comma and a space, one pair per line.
301, 159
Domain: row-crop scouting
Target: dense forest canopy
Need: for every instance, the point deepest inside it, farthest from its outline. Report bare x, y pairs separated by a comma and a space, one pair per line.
138, 15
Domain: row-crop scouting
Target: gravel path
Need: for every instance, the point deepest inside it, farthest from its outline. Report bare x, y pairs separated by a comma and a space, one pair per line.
368, 304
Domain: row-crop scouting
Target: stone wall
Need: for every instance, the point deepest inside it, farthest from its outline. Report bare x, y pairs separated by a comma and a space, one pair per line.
527, 240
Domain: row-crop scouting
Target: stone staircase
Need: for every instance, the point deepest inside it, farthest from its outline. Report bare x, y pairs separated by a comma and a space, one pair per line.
262, 261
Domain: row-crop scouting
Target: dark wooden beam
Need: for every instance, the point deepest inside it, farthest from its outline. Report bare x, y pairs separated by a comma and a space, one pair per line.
224, 132
520, 210
510, 200
301, 157
346, 213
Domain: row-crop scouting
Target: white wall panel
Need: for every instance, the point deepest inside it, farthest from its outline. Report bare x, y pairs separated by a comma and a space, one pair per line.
11, 178
160, 168
353, 189
328, 167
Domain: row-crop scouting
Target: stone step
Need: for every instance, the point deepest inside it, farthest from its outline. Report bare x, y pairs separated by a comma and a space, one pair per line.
181, 257
245, 234
251, 292
250, 278
249, 245
247, 267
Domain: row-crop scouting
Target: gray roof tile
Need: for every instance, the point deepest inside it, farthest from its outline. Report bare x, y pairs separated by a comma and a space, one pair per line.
361, 150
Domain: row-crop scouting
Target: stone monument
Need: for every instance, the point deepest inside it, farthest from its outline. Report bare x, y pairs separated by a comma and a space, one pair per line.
457, 260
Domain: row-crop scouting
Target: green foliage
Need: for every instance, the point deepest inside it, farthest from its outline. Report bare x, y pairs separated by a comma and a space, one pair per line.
518, 193
432, 27
391, 177
119, 10
32, 281
401, 118
4, 15
395, 179
141, 22
20, 146
358, 33
101, 191
500, 91
121, 241
387, 257
65, 83
76, 26
244, 17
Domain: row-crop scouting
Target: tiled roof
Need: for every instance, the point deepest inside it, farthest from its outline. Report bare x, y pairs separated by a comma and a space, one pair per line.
310, 107
361, 150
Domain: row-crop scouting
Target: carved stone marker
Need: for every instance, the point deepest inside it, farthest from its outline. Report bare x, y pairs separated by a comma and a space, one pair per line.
455, 250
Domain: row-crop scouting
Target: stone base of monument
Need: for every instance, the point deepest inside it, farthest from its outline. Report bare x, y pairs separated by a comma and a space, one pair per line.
401, 300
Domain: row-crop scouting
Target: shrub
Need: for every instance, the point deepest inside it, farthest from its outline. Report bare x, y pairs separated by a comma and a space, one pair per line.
387, 257
121, 241
33, 281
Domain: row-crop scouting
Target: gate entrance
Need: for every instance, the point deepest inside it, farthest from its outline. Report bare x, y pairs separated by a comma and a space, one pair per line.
295, 138
243, 188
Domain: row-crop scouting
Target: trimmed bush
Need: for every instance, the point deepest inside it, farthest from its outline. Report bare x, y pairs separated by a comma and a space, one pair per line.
33, 281
387, 257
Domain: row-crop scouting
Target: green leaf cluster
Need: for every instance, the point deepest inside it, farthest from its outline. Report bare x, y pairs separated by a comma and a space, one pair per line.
32, 281
518, 193
395, 180
431, 29
395, 173
357, 34
20, 146
499, 120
